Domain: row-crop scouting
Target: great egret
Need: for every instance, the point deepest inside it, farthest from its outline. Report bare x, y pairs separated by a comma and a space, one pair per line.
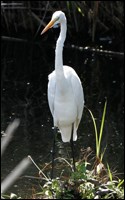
65, 92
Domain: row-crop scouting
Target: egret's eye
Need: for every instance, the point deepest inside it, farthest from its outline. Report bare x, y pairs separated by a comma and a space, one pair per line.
56, 26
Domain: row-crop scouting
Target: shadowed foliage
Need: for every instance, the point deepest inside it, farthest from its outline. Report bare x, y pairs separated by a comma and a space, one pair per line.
88, 18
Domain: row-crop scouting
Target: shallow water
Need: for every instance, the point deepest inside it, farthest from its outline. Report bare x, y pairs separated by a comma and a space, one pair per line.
25, 69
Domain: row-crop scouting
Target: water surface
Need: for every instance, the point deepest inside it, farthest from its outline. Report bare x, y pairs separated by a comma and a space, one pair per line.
25, 69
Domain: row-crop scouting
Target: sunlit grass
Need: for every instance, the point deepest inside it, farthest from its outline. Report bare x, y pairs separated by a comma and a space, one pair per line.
109, 172
98, 135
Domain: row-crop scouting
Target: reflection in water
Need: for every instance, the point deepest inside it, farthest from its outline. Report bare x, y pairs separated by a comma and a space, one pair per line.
25, 70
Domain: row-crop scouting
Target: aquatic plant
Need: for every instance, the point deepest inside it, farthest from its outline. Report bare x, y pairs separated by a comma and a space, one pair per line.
81, 185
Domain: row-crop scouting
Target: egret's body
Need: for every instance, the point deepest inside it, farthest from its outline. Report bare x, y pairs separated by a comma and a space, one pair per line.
65, 96
65, 93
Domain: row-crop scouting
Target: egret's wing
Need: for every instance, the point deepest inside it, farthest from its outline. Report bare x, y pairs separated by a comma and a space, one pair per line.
51, 91
78, 94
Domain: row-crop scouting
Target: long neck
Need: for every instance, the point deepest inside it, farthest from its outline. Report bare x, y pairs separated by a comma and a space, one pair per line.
59, 48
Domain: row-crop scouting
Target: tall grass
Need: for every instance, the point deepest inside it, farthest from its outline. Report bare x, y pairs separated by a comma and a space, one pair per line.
98, 135
28, 15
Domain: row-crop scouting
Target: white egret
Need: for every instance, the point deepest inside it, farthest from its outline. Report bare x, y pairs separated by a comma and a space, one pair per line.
65, 92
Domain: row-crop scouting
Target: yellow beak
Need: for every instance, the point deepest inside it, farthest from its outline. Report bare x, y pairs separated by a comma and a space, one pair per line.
48, 26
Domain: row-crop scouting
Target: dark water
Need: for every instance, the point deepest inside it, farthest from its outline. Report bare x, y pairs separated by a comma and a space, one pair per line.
25, 69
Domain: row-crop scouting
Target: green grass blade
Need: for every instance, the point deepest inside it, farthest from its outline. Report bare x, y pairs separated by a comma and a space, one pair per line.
96, 133
109, 172
120, 183
102, 125
102, 154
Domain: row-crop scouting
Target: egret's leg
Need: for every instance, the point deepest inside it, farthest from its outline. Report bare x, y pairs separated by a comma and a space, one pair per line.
72, 148
53, 151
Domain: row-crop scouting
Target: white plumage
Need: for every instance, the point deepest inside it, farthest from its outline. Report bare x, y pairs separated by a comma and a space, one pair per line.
65, 92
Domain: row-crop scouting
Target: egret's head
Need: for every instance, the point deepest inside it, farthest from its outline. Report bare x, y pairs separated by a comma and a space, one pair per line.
57, 18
